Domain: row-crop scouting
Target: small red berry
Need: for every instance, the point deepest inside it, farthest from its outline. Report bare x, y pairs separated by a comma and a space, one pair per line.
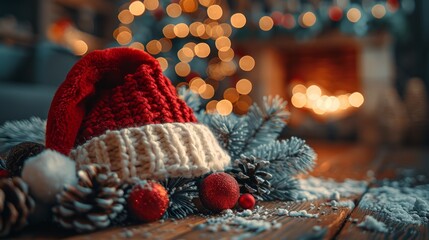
247, 201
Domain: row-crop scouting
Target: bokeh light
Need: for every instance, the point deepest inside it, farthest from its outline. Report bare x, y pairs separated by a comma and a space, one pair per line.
80, 47
354, 15
181, 30
202, 50
238, 20
378, 11
163, 63
224, 107
182, 69
223, 43
206, 91
154, 47
168, 31
124, 37
244, 86
214, 12
227, 55
299, 100
356, 99
151, 4
174, 10
246, 63
125, 17
137, 8
231, 94
266, 23
137, 45
308, 19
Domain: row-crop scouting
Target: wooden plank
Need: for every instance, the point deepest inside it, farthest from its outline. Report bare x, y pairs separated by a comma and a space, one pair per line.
339, 161
413, 160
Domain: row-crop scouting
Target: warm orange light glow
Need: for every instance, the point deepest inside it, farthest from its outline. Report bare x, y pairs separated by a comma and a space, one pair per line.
206, 91
299, 100
168, 31
185, 54
195, 84
193, 29
308, 19
174, 10
207, 3
137, 8
211, 106
378, 11
231, 94
163, 63
189, 6
223, 43
356, 99
214, 12
227, 55
125, 17
202, 50
182, 69
354, 15
124, 37
246, 63
181, 30
224, 107
137, 45
266, 23
154, 47
151, 4
227, 30
344, 101
244, 86
238, 20
299, 88
80, 47
166, 44
313, 92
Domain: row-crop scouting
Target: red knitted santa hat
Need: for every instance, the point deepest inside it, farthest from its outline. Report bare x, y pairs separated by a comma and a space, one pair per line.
116, 107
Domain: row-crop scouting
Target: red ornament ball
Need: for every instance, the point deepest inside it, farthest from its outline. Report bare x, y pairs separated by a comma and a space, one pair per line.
4, 173
219, 191
148, 201
247, 201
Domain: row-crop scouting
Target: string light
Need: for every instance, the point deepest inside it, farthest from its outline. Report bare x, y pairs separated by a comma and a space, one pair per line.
247, 63
214, 12
378, 11
202, 50
181, 30
125, 17
182, 69
137, 45
308, 19
163, 63
223, 43
154, 47
189, 6
80, 47
168, 31
356, 99
238, 20
266, 23
224, 107
174, 10
137, 8
354, 15
244, 86
151, 4
124, 37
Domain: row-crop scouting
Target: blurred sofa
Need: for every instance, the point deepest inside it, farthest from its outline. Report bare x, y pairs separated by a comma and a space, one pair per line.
29, 77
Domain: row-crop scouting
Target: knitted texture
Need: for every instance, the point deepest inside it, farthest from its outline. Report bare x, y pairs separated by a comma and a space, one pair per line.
155, 151
110, 90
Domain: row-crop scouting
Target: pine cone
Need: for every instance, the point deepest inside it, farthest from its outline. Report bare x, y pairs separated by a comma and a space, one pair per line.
250, 177
93, 203
15, 205
19, 154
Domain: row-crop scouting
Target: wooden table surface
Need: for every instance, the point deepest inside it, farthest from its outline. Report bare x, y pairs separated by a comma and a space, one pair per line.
337, 161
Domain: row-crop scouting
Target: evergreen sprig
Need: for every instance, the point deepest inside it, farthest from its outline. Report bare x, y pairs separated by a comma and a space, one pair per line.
191, 99
15, 132
265, 123
286, 157
181, 192
283, 189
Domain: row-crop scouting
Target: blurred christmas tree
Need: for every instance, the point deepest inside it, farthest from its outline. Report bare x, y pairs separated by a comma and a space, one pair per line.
194, 40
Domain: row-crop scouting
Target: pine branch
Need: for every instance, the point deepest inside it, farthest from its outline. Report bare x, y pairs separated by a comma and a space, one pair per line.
266, 122
231, 132
181, 192
192, 99
15, 132
284, 189
286, 157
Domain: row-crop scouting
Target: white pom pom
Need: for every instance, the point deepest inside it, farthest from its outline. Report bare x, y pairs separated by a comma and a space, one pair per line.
47, 173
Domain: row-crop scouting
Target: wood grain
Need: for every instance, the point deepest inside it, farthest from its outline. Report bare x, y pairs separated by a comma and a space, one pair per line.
396, 163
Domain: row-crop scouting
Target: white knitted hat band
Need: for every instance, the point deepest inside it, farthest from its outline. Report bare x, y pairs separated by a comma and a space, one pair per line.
155, 151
